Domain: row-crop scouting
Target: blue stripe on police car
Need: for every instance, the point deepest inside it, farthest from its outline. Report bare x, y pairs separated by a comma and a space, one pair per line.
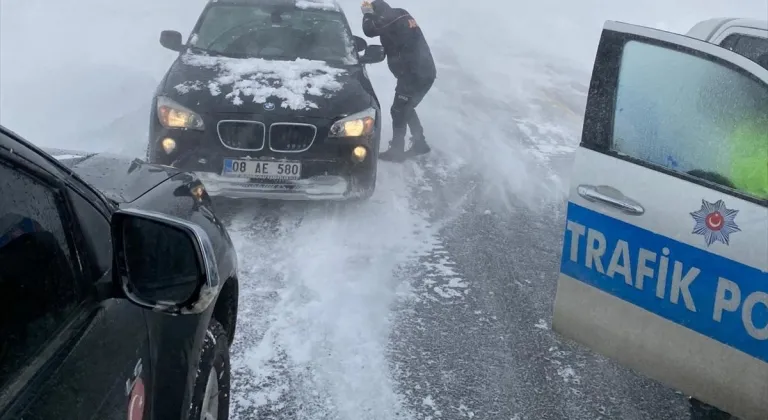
712, 295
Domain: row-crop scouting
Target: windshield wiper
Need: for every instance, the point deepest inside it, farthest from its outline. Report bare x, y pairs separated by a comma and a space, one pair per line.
276, 57
198, 50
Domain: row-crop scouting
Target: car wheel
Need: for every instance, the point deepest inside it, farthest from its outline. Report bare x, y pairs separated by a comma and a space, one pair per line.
364, 190
702, 411
210, 400
368, 192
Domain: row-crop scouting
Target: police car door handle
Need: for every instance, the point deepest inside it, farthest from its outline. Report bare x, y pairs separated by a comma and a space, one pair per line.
611, 196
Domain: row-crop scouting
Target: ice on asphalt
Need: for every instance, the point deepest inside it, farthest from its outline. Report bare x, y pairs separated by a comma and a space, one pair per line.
318, 287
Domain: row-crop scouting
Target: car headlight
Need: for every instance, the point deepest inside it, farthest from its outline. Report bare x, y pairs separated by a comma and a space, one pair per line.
169, 145
355, 125
175, 115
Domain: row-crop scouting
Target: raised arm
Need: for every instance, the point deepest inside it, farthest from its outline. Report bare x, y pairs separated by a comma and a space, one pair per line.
370, 29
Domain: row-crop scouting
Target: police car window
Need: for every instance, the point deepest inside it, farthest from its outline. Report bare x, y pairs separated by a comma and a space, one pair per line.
37, 287
693, 115
752, 47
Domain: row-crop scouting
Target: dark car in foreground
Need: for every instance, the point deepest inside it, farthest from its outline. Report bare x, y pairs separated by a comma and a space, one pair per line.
270, 99
118, 289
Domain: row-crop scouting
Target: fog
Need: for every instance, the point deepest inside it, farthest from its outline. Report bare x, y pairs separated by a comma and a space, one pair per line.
375, 311
82, 73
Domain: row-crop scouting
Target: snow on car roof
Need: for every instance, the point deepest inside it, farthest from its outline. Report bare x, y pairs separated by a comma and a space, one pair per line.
318, 4
331, 5
255, 77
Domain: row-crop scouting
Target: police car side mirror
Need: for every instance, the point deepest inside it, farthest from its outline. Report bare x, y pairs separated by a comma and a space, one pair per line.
171, 40
360, 43
163, 263
373, 54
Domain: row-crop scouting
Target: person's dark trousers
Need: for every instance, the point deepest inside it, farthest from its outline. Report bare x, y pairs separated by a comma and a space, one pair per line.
408, 95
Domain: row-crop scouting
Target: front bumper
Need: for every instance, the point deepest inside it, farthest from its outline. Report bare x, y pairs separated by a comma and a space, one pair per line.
322, 187
328, 170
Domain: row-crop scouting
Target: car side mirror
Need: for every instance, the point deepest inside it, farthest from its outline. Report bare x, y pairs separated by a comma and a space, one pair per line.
171, 40
373, 54
360, 43
164, 263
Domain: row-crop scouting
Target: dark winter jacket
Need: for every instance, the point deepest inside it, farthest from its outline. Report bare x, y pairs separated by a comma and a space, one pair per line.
408, 55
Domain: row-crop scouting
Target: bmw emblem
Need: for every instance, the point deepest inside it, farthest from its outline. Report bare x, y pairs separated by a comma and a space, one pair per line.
269, 106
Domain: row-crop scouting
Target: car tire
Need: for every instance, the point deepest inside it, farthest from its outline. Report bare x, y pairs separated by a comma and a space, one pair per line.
364, 183
703, 411
365, 192
368, 192
212, 384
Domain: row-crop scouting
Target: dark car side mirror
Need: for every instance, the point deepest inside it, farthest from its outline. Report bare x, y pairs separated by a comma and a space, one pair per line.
360, 43
164, 263
373, 54
171, 40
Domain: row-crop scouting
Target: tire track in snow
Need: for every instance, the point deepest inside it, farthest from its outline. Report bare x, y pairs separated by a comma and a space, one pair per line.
485, 350
318, 286
257, 234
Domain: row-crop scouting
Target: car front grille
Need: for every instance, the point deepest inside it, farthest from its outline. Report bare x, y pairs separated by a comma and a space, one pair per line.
241, 135
291, 137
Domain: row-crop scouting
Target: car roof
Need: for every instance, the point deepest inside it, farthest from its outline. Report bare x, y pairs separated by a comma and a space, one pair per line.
704, 30
330, 5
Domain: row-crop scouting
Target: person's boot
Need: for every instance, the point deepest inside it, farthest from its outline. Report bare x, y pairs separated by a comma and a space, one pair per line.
419, 147
393, 154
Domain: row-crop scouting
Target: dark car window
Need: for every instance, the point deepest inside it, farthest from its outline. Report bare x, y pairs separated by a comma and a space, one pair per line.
96, 233
37, 282
752, 47
249, 31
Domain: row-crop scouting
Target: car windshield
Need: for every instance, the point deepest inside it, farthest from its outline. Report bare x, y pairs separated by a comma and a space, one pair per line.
262, 32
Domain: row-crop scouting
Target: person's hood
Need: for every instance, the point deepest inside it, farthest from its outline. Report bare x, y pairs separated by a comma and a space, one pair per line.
119, 178
381, 8
386, 13
222, 85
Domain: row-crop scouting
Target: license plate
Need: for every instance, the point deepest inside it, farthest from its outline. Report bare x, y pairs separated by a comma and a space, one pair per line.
262, 169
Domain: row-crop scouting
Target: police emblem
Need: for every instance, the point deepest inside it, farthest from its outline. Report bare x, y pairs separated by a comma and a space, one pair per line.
715, 222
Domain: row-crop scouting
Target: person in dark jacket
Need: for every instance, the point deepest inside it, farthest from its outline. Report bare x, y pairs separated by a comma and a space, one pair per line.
410, 61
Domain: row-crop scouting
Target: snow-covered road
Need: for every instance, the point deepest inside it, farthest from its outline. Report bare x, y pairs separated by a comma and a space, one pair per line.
317, 303
433, 299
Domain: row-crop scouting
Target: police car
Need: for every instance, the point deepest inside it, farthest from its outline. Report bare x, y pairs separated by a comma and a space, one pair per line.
665, 254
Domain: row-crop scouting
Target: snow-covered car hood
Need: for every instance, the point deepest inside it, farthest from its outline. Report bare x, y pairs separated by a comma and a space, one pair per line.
119, 178
311, 88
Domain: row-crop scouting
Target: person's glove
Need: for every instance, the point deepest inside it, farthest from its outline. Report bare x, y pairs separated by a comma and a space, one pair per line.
366, 7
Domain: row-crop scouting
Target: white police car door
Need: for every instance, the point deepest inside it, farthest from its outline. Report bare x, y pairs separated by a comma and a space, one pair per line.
665, 255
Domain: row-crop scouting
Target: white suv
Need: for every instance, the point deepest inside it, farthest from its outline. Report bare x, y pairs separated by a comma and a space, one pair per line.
748, 37
664, 262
